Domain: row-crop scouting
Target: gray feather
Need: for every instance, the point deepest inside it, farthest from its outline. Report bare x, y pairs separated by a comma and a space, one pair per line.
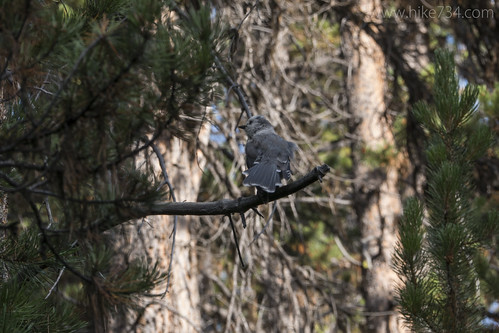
268, 155
264, 175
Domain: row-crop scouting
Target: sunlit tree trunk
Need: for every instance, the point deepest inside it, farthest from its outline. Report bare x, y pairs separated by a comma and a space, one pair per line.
376, 199
3, 196
178, 310
3, 208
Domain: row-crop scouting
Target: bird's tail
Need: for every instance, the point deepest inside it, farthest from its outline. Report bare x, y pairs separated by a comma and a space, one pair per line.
263, 175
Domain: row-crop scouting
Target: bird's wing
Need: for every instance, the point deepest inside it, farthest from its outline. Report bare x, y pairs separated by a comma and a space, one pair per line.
284, 153
253, 153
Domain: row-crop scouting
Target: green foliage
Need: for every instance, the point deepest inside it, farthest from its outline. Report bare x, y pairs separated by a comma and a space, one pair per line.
380, 155
123, 282
441, 260
489, 105
31, 274
86, 86
19, 313
319, 245
339, 158
331, 32
489, 101
409, 255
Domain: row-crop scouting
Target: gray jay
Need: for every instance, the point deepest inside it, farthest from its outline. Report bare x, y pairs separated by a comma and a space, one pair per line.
267, 155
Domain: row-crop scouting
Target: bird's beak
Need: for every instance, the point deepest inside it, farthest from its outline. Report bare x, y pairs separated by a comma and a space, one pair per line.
242, 127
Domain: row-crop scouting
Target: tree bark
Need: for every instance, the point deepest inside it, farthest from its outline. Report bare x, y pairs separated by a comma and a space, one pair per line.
178, 310
376, 200
4, 207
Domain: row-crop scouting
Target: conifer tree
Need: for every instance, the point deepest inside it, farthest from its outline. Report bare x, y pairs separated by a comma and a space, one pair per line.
85, 92
439, 256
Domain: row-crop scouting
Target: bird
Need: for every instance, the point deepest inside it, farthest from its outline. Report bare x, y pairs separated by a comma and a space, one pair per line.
268, 156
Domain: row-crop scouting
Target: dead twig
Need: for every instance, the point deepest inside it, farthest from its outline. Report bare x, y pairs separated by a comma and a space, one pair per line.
166, 181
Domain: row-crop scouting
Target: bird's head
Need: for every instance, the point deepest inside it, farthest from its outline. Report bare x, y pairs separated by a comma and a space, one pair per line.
257, 124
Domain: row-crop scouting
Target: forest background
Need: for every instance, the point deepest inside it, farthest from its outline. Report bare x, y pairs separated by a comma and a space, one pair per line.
116, 115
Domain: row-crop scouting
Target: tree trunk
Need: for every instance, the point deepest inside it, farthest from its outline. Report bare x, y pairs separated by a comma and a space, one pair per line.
376, 200
4, 207
179, 310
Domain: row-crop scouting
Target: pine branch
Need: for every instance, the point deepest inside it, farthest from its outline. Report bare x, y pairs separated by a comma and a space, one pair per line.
230, 82
437, 258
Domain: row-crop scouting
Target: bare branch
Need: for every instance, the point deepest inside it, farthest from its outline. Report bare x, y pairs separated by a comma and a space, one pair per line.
46, 241
49, 212
56, 282
220, 207
224, 207
266, 224
172, 196
162, 164
235, 240
233, 86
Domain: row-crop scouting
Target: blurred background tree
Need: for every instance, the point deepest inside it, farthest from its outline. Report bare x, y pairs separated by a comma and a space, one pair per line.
91, 90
